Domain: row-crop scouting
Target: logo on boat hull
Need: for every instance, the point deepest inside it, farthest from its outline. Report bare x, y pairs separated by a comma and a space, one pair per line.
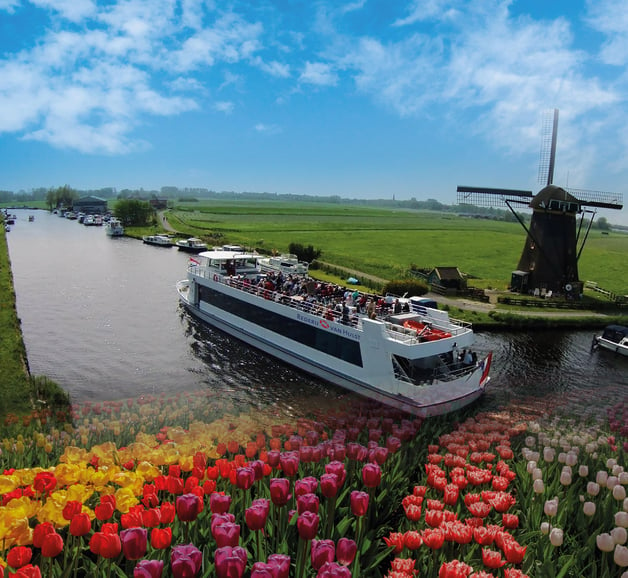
324, 323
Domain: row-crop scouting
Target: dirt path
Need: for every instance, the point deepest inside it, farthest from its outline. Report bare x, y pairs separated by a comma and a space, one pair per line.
164, 222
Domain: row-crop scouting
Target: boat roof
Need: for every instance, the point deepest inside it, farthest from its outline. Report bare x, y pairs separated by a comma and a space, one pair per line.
619, 328
218, 254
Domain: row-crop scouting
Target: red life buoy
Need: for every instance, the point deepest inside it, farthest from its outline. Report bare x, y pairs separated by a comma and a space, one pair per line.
324, 324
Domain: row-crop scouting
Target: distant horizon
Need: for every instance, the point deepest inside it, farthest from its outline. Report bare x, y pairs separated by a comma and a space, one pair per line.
349, 98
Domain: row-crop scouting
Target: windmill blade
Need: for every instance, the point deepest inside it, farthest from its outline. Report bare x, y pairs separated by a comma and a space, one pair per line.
597, 198
549, 134
487, 197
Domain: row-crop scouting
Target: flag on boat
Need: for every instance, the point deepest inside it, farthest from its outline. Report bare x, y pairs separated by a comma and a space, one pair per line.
192, 260
485, 365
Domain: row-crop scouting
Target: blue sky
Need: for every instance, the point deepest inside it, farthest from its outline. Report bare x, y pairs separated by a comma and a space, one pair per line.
362, 99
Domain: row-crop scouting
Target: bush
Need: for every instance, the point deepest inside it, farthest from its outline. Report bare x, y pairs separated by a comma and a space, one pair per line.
304, 253
407, 287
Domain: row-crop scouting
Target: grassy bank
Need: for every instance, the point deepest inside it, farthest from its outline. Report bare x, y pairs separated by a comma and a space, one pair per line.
20, 392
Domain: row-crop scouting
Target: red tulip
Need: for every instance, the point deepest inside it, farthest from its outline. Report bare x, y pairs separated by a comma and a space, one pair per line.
346, 550
133, 518
185, 561
104, 511
44, 482
279, 491
28, 571
510, 521
359, 503
151, 518
105, 544
257, 514
371, 475
134, 542
19, 556
161, 538
174, 485
230, 562
40, 532
219, 503
167, 512
514, 552
412, 540
71, 508
148, 569
454, 569
433, 538
451, 493
52, 545
322, 551
307, 525
80, 525
483, 536
492, 558
188, 507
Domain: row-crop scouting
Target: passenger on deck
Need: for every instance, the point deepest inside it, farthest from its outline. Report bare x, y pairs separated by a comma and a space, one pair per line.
397, 307
371, 310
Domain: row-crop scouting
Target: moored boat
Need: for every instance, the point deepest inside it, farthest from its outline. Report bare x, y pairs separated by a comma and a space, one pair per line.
114, 227
326, 333
159, 240
614, 338
191, 245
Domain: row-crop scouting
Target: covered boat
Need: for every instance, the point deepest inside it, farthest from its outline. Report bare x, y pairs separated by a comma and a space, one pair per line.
328, 333
614, 338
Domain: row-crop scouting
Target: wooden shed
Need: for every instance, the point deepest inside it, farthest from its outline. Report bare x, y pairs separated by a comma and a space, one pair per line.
447, 277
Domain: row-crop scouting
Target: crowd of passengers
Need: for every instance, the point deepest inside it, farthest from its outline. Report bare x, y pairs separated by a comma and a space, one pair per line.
328, 300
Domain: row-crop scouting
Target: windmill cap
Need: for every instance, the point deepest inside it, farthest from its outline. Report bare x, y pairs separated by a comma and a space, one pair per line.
552, 193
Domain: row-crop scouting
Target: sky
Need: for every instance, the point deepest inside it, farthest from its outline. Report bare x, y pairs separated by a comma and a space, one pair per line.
361, 99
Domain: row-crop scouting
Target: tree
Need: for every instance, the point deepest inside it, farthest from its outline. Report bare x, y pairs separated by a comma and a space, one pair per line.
308, 253
603, 224
61, 197
134, 212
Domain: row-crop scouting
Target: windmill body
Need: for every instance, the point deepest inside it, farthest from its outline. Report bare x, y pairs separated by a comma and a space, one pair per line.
555, 238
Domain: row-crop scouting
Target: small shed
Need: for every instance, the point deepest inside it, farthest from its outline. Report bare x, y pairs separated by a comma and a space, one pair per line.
447, 277
91, 205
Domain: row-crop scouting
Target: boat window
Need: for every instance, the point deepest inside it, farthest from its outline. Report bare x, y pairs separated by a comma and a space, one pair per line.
309, 335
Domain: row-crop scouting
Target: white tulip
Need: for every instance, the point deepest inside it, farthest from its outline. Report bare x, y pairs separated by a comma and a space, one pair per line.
588, 508
565, 478
626, 505
619, 534
583, 471
551, 507
593, 489
572, 459
530, 466
549, 454
617, 470
623, 478
530, 441
534, 427
610, 462
537, 474
538, 486
621, 556
619, 493
611, 482
562, 458
545, 528
534, 456
556, 537
601, 477
605, 542
621, 519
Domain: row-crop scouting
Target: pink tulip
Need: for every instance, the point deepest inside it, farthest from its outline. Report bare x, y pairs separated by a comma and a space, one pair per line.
359, 503
185, 561
289, 462
322, 551
346, 550
227, 534
257, 514
219, 503
307, 525
281, 562
333, 570
329, 485
230, 562
148, 569
307, 503
279, 491
188, 506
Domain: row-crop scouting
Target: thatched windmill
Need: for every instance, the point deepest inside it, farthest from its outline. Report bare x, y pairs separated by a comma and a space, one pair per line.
555, 237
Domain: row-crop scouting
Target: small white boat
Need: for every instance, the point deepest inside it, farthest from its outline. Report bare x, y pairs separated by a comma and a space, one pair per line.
287, 263
114, 228
382, 357
614, 338
191, 245
159, 240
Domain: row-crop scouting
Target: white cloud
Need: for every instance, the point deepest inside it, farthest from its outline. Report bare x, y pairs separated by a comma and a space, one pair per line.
318, 73
422, 10
9, 5
73, 10
267, 128
224, 106
610, 17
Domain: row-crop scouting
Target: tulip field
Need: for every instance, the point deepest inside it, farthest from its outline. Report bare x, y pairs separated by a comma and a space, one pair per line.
178, 487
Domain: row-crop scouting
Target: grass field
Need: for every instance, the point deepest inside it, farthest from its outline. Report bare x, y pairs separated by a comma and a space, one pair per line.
386, 242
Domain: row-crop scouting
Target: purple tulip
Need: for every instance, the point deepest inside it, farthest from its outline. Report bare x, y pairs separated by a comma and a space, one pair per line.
185, 561
257, 514
226, 534
263, 570
282, 564
307, 525
219, 503
279, 491
305, 486
393, 444
289, 462
148, 569
188, 506
333, 570
371, 475
230, 562
329, 485
337, 468
359, 503
378, 455
346, 550
273, 457
356, 452
134, 542
245, 477
322, 551
307, 503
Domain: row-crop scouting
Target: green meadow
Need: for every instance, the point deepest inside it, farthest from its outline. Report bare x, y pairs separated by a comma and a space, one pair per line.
387, 242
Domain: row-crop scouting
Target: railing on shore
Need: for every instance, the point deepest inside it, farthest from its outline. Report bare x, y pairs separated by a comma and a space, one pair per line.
326, 310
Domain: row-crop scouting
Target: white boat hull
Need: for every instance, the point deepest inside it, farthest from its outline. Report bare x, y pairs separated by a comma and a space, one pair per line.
372, 377
612, 346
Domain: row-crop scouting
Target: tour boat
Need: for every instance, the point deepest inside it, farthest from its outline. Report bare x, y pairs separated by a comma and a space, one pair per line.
288, 264
114, 228
159, 240
317, 331
614, 338
191, 245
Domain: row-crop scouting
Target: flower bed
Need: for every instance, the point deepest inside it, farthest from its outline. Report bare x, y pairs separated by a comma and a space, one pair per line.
178, 487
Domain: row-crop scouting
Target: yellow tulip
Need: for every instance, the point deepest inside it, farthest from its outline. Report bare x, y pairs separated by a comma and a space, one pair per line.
125, 499
8, 483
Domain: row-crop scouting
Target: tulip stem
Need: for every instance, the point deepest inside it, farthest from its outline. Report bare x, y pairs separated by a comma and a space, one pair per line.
260, 546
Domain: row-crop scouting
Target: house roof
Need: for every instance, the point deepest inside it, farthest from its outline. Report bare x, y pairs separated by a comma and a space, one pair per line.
91, 199
448, 273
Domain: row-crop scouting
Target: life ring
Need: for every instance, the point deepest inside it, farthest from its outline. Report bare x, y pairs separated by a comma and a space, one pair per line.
215, 277
324, 323
568, 287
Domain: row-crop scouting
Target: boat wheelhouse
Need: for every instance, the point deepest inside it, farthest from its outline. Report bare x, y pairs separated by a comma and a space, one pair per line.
614, 338
191, 245
114, 227
287, 263
381, 357
159, 240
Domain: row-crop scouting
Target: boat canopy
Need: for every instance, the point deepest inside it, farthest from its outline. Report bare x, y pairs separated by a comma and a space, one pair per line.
615, 333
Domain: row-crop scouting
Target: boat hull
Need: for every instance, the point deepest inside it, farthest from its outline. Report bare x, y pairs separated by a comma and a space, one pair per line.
470, 388
612, 346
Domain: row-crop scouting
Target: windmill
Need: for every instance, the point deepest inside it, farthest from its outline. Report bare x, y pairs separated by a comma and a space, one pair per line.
555, 237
